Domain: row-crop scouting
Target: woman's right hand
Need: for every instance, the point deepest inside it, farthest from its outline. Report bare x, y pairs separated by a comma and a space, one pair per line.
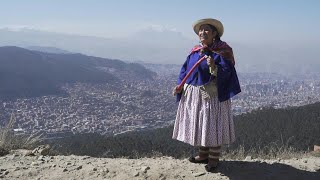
176, 91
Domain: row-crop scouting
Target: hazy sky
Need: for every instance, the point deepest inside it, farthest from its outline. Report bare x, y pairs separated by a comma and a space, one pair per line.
245, 20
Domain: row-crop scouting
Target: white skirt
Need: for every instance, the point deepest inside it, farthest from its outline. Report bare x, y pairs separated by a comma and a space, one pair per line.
203, 121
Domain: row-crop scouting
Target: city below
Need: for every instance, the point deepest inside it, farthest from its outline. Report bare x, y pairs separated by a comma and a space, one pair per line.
111, 109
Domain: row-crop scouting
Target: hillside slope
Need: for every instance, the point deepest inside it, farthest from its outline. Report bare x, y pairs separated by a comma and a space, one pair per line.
25, 73
264, 132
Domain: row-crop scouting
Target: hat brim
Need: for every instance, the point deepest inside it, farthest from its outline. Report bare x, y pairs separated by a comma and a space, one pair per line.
217, 24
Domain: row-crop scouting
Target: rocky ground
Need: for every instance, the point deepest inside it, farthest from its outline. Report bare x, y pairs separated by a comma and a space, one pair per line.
19, 165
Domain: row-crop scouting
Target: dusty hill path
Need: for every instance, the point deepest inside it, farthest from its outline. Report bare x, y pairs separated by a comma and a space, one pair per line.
18, 166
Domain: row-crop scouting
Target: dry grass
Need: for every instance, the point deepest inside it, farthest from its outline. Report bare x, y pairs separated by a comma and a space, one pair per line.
6, 133
3, 152
9, 141
273, 152
315, 153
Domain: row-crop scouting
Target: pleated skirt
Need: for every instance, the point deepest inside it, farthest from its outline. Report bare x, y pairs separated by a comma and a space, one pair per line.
203, 121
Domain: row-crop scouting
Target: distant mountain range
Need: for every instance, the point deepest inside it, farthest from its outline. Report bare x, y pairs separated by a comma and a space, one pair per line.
53, 50
148, 46
170, 47
26, 73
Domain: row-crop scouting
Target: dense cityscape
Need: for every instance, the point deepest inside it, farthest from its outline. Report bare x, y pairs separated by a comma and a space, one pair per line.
113, 109
277, 91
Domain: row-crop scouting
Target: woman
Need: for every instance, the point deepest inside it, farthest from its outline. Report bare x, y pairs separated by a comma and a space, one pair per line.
204, 116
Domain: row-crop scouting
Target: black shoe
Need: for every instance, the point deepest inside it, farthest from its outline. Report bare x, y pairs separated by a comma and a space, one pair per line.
210, 168
203, 161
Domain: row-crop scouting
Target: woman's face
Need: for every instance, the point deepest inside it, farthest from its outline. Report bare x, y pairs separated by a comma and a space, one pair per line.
206, 34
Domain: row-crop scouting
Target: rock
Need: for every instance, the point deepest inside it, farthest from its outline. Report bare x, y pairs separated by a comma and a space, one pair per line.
303, 167
136, 174
145, 169
17, 169
53, 165
162, 177
273, 161
6, 173
29, 153
79, 167
69, 163
13, 156
305, 161
40, 162
248, 158
106, 170
65, 170
42, 150
41, 158
85, 157
199, 174
2, 170
34, 164
94, 169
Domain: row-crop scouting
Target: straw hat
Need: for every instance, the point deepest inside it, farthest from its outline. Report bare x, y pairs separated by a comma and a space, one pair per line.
217, 24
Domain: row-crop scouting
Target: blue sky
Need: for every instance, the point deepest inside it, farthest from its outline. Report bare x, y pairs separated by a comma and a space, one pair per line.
246, 20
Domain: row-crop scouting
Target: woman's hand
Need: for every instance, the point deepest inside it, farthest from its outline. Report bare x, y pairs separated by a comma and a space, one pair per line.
176, 91
210, 62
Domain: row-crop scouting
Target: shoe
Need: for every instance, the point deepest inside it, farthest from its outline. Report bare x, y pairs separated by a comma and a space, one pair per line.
210, 168
203, 161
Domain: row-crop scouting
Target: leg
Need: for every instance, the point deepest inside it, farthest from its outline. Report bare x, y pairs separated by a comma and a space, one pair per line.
214, 154
203, 152
202, 156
